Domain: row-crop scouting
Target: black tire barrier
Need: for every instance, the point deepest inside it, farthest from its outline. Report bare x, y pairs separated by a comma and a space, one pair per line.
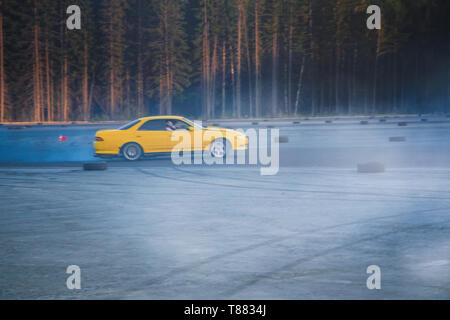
282, 139
216, 125
95, 166
296, 122
371, 167
270, 127
402, 124
328, 121
397, 139
364, 122
424, 120
382, 120
255, 123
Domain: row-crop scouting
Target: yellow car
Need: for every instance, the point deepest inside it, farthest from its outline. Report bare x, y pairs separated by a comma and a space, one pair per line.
163, 134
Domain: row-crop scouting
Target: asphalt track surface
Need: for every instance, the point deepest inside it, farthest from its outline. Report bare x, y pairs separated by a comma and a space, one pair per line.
153, 230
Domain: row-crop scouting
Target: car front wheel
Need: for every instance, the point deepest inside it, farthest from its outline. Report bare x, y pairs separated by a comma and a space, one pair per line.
132, 151
218, 148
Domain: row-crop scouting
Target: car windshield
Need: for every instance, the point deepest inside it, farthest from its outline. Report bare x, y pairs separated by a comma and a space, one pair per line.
129, 125
195, 124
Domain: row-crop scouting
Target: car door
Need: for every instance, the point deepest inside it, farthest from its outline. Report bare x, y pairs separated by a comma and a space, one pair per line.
185, 137
153, 136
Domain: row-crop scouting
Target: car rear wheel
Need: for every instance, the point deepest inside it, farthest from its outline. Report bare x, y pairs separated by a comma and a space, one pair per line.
132, 151
218, 148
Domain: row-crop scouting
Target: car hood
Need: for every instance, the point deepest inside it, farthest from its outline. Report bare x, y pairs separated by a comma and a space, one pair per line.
226, 131
221, 129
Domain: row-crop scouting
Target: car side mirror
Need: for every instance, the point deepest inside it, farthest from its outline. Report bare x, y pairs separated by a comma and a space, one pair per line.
191, 128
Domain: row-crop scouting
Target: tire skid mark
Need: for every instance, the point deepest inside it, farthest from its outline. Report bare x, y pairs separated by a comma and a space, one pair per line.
174, 272
224, 178
300, 184
291, 190
292, 264
46, 188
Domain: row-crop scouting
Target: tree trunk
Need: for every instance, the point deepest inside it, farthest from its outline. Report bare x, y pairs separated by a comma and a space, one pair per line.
402, 86
86, 111
140, 76
375, 82
206, 64
299, 86
167, 71
367, 78
375, 71
2, 68
249, 66
289, 84
394, 85
140, 89
233, 85
48, 82
313, 60
91, 91
330, 98
128, 95
112, 82
285, 91
417, 84
349, 84
60, 84
239, 60
354, 67
336, 90
224, 66
275, 68
213, 80
36, 69
366, 99
66, 90
52, 99
257, 61
448, 87
112, 94
322, 95
166, 83
161, 92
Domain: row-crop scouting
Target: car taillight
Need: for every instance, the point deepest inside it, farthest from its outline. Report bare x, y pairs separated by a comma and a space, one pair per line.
98, 139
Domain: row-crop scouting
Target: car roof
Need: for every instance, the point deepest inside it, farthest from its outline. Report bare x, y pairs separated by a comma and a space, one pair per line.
162, 117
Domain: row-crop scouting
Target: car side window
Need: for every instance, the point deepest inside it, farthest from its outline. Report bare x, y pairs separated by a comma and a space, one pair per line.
181, 125
129, 125
154, 125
